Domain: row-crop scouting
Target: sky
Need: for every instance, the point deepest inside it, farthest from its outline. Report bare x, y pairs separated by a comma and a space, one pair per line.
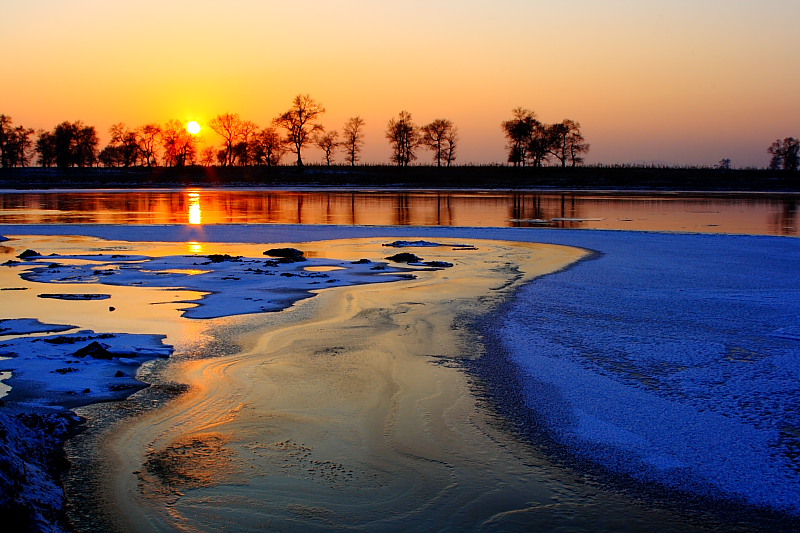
684, 82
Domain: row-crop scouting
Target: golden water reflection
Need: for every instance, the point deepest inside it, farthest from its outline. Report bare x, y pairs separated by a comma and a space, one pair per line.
765, 214
195, 211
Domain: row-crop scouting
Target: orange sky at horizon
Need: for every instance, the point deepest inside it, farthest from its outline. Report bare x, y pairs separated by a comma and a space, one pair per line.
684, 82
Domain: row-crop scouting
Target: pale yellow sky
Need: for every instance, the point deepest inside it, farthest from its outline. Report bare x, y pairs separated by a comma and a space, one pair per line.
686, 82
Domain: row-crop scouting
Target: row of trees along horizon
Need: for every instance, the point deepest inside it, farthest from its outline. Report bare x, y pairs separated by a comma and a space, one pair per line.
74, 144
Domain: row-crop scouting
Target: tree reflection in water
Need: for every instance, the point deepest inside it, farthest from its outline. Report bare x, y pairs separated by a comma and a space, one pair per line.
711, 213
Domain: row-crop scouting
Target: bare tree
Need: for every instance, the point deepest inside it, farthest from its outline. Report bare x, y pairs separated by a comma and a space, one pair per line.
353, 139
539, 144
123, 140
5, 133
435, 138
86, 145
75, 144
567, 142
327, 142
46, 148
300, 123
207, 156
404, 138
519, 132
578, 146
450, 141
110, 156
242, 154
234, 131
64, 135
180, 146
268, 147
785, 154
147, 138
16, 145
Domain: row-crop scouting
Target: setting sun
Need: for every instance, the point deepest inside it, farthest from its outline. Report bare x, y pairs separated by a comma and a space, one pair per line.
193, 127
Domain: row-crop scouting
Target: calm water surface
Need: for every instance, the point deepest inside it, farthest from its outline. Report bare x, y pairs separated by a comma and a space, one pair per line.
761, 214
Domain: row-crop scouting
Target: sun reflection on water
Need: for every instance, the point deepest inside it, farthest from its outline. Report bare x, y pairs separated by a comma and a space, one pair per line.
195, 212
195, 247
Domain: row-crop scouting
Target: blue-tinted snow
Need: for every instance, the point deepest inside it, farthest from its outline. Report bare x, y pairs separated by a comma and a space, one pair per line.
674, 359
670, 357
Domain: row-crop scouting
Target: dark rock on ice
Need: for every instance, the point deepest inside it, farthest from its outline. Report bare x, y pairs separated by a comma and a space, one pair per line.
95, 349
289, 255
405, 257
221, 258
438, 264
27, 254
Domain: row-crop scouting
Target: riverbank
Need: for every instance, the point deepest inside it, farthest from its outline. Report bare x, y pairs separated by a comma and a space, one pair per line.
67, 263
415, 177
643, 272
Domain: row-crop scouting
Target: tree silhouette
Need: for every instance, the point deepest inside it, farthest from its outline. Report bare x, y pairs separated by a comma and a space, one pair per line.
75, 144
300, 123
520, 131
785, 154
539, 144
450, 141
180, 146
5, 131
124, 140
208, 156
234, 131
404, 138
147, 138
353, 139
327, 142
110, 156
440, 137
577, 148
567, 142
86, 145
267, 147
15, 144
46, 148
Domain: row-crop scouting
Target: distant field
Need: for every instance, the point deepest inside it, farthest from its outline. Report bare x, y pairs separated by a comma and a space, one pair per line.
473, 177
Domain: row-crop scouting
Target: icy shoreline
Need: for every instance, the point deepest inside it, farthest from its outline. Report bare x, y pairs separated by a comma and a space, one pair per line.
51, 374
672, 358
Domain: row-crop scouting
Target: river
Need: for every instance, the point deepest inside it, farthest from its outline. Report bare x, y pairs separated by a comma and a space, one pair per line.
740, 213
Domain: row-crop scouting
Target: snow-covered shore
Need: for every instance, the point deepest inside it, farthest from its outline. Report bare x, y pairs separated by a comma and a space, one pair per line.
673, 359
670, 358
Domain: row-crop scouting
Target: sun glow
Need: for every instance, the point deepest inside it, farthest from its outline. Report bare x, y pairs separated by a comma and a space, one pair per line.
195, 212
195, 247
193, 127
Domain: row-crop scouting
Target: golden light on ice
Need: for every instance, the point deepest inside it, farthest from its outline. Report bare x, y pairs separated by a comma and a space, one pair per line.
193, 127
195, 213
195, 247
